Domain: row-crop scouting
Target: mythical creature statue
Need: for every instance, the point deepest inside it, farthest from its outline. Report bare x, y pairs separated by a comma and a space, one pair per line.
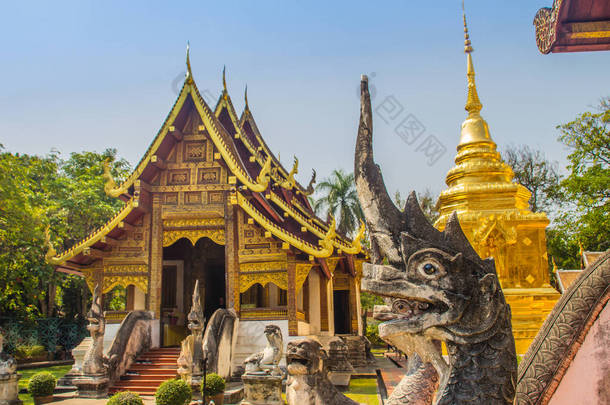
7, 363
439, 289
94, 362
267, 361
190, 361
308, 383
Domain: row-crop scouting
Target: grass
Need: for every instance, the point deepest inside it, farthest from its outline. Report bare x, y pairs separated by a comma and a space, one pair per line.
57, 371
363, 390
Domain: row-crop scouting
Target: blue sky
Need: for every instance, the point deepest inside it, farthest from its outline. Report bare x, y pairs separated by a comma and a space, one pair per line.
90, 75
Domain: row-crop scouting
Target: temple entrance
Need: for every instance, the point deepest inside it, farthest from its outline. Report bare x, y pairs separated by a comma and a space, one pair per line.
183, 264
342, 314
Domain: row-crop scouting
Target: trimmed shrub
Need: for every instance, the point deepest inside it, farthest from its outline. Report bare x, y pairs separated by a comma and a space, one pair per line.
372, 334
214, 384
42, 384
125, 398
173, 392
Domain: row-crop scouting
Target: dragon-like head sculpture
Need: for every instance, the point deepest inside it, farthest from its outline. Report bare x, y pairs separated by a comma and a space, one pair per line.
436, 285
195, 317
95, 315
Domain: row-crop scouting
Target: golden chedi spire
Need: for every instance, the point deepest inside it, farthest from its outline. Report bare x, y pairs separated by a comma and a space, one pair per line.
495, 216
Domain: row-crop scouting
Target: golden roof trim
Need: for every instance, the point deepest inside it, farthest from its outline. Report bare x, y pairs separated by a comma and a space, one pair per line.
94, 236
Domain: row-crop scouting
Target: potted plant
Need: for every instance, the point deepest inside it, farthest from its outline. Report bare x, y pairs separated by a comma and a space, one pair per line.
214, 389
41, 387
173, 392
125, 398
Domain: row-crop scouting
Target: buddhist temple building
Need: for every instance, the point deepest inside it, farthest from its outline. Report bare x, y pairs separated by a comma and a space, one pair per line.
573, 26
208, 201
495, 216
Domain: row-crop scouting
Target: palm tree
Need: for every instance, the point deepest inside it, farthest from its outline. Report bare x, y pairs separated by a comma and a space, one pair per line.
339, 198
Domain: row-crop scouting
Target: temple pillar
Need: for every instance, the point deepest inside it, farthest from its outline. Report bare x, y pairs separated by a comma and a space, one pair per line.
293, 324
330, 288
315, 325
231, 255
156, 256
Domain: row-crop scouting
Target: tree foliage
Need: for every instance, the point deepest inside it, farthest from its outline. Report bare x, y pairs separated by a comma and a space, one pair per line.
533, 171
584, 194
339, 198
36, 192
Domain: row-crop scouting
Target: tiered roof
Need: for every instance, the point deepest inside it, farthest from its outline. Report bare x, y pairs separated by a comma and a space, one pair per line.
264, 189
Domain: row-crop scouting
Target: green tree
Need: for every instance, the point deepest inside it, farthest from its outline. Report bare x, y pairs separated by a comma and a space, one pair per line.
584, 193
339, 198
36, 192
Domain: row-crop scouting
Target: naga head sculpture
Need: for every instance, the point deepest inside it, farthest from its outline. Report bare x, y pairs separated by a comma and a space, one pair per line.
436, 283
195, 317
95, 315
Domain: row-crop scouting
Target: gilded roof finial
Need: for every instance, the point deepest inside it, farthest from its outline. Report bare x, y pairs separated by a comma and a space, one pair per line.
473, 104
224, 82
189, 74
246, 96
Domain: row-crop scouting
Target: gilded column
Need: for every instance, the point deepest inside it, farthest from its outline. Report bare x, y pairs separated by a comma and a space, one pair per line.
231, 256
293, 325
156, 256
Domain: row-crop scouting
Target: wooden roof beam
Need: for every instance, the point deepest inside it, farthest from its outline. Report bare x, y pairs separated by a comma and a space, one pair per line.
125, 226
158, 162
93, 252
176, 133
107, 240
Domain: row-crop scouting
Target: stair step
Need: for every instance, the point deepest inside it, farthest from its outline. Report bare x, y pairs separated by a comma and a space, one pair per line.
148, 371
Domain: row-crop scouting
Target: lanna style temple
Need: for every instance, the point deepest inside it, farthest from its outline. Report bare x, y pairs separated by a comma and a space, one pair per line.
495, 216
208, 201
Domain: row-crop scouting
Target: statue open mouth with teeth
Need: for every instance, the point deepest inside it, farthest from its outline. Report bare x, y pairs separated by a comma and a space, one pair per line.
438, 290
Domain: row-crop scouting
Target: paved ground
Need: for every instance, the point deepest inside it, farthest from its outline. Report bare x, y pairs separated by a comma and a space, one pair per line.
390, 372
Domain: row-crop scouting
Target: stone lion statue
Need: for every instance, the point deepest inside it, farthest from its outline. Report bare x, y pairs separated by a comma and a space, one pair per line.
267, 361
308, 382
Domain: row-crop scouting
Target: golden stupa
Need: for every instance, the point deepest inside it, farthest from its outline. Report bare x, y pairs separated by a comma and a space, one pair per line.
495, 216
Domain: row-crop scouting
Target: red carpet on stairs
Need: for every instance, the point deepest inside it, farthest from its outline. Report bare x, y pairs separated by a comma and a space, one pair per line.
148, 371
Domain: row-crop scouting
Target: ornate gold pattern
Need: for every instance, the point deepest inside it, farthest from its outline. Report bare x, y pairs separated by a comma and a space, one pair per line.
262, 266
302, 271
264, 314
545, 22
193, 222
247, 280
111, 281
326, 243
170, 237
125, 268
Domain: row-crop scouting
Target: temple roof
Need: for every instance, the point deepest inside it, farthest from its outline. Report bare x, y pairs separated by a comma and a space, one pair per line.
263, 188
573, 26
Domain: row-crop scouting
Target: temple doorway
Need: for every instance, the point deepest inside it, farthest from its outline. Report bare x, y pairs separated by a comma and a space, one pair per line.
183, 264
342, 313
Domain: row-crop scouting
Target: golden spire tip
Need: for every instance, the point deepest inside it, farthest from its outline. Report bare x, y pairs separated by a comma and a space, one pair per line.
467, 44
189, 74
224, 77
246, 96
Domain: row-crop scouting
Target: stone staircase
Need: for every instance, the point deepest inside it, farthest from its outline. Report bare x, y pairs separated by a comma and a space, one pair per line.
148, 371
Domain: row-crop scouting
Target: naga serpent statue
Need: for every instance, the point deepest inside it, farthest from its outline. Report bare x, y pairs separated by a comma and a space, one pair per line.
439, 289
94, 362
190, 361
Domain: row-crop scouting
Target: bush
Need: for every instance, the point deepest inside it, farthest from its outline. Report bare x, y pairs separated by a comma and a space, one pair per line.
214, 384
42, 384
372, 334
24, 352
173, 392
125, 398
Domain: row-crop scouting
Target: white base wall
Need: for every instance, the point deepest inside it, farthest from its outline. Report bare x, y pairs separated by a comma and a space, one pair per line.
251, 339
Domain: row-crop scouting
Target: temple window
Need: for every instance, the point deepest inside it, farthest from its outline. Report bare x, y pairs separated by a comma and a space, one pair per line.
116, 299
282, 300
253, 297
